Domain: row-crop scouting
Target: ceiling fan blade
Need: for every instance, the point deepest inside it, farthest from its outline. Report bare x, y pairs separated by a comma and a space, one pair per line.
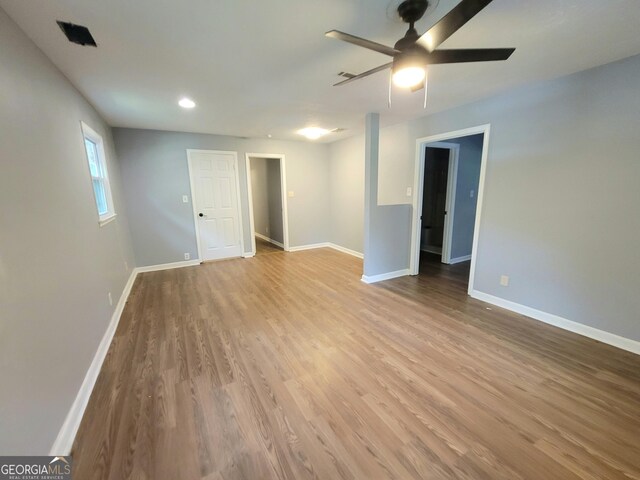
465, 55
451, 22
365, 74
469, 55
362, 42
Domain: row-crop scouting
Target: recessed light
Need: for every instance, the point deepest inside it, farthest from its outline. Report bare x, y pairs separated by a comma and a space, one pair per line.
269, 135
186, 103
313, 133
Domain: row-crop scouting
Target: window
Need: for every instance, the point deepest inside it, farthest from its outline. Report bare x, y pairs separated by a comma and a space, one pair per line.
99, 177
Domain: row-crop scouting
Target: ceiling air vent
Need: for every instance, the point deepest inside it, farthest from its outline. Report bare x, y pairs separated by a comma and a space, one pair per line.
77, 33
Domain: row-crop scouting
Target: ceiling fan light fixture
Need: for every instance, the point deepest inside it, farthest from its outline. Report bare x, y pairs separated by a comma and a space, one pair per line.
408, 77
313, 133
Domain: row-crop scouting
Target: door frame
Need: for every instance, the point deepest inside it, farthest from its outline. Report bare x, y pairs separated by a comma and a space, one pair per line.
416, 224
450, 199
193, 202
283, 187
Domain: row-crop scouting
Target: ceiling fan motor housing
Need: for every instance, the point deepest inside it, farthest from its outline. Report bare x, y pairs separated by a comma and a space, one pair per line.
412, 53
411, 57
411, 11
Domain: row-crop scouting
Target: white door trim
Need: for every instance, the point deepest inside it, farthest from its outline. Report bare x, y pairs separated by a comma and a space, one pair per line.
193, 203
450, 201
283, 186
421, 143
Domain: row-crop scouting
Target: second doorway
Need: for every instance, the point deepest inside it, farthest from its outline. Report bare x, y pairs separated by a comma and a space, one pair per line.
268, 202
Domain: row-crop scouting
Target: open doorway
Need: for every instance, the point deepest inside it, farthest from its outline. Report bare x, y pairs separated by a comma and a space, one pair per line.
438, 198
266, 183
449, 182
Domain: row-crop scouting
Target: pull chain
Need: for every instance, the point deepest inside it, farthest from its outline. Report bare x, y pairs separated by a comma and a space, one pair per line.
426, 86
390, 81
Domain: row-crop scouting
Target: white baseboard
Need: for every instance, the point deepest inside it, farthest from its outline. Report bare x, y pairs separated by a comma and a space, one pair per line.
339, 248
67, 434
575, 327
466, 258
167, 266
267, 239
346, 250
385, 276
311, 246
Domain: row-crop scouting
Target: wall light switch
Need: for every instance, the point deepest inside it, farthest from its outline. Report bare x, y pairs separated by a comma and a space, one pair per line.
504, 280
291, 194
185, 199
409, 191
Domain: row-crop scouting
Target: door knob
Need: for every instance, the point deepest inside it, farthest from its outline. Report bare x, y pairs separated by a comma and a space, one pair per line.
201, 214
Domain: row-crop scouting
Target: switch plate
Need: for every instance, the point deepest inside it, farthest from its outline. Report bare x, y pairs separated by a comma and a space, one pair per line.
185, 199
291, 194
187, 256
409, 191
504, 280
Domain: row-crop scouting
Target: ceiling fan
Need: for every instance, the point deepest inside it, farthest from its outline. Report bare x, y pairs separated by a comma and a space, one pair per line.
413, 53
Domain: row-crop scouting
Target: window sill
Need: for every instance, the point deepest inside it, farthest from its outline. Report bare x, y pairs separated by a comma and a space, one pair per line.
106, 220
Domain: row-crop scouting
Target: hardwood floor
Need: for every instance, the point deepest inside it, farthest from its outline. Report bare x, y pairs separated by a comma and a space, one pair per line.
437, 273
264, 247
287, 366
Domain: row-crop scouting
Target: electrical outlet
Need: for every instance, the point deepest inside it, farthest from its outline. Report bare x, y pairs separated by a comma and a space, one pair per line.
266, 229
504, 280
185, 199
472, 193
291, 194
110, 299
187, 256
409, 191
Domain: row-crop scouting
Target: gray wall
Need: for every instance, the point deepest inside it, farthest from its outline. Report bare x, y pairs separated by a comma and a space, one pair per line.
260, 196
382, 223
274, 194
346, 173
560, 213
266, 191
56, 264
155, 174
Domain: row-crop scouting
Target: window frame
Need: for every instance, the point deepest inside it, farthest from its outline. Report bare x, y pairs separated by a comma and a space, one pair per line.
94, 137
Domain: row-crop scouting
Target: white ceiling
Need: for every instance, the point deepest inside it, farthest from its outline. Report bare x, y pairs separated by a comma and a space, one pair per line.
258, 67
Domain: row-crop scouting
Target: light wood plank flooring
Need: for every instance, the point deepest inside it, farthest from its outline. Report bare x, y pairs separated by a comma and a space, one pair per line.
287, 366
263, 247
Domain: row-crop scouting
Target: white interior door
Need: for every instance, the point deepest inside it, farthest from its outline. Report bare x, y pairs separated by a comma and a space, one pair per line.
216, 205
